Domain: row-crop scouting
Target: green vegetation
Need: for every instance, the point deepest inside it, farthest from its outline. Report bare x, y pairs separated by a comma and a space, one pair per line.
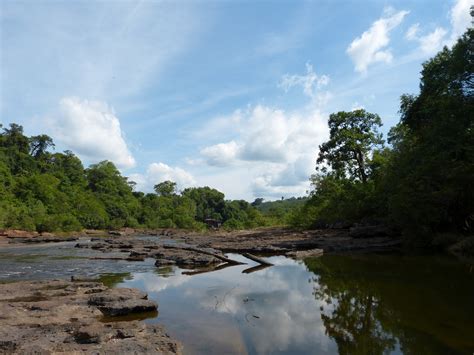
45, 191
279, 212
422, 183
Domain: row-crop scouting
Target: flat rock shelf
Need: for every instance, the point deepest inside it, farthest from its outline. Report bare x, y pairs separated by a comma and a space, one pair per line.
59, 316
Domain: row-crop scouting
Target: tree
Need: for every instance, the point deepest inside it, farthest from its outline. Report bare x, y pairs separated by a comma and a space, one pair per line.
14, 137
165, 188
432, 170
40, 144
257, 202
209, 202
353, 136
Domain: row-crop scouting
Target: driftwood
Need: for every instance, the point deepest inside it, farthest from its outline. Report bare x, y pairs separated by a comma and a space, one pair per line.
202, 251
206, 270
257, 259
254, 269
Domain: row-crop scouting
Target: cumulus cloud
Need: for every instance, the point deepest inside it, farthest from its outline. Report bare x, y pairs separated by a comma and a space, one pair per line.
273, 148
221, 154
158, 172
371, 46
277, 148
92, 130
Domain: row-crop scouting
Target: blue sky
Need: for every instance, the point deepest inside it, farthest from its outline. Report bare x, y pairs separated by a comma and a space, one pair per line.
230, 94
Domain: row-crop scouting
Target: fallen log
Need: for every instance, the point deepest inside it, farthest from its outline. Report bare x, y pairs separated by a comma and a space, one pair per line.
201, 251
257, 259
206, 270
254, 269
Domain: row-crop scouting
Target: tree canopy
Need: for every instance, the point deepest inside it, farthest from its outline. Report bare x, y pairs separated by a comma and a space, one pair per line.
422, 183
46, 191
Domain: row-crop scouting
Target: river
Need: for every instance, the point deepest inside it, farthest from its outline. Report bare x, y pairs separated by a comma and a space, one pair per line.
362, 304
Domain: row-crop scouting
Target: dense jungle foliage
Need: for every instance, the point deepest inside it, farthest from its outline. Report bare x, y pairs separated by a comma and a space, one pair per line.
45, 191
422, 182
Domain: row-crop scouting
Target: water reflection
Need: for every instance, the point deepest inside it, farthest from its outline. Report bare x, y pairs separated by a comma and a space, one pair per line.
61, 260
328, 305
384, 304
333, 304
225, 311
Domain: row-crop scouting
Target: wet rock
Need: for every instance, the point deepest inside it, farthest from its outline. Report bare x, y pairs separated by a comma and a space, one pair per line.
124, 308
164, 262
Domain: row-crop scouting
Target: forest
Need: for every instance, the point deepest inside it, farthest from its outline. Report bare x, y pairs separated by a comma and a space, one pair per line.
419, 180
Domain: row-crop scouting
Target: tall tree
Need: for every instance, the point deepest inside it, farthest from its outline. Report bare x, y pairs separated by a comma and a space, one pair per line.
165, 188
353, 136
433, 166
40, 144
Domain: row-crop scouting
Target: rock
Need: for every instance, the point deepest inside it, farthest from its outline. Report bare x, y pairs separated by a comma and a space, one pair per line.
124, 308
369, 231
16, 233
47, 234
88, 335
164, 262
75, 278
303, 254
116, 295
63, 321
122, 301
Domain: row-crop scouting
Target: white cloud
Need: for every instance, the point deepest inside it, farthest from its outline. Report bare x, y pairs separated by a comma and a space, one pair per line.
432, 42
274, 148
310, 82
370, 47
158, 172
460, 18
221, 154
91, 129
412, 32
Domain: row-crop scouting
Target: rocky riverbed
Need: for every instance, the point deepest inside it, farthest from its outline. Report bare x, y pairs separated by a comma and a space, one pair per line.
84, 316
78, 316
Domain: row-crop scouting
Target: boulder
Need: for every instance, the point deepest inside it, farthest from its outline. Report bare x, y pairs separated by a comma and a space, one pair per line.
121, 302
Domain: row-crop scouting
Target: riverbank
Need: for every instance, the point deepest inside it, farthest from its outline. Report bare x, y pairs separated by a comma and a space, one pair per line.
78, 316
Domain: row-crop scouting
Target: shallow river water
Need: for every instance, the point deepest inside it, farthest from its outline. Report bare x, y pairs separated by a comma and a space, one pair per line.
364, 304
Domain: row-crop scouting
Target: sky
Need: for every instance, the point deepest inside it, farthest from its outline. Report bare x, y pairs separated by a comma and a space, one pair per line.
229, 94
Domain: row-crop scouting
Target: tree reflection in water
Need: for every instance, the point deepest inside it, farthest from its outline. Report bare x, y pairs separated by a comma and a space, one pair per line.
385, 304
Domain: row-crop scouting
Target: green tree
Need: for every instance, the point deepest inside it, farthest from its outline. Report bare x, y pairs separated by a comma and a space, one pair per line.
353, 136
165, 188
209, 202
432, 170
40, 144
